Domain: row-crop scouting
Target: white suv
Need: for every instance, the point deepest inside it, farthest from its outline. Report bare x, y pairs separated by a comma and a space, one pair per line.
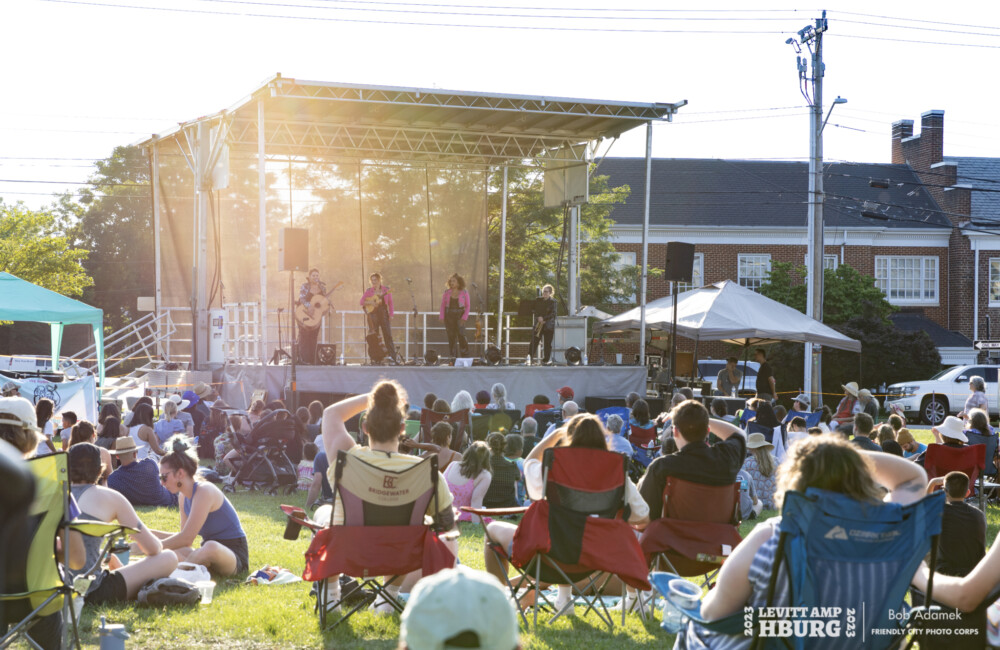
944, 393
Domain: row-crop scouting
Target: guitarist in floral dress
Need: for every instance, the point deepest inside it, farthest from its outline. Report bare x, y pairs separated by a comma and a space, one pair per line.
308, 335
377, 302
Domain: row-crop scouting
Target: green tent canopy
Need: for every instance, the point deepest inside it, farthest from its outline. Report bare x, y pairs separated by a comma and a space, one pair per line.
21, 300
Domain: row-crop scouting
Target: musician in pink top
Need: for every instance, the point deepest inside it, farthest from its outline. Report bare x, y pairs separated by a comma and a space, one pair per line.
377, 302
455, 307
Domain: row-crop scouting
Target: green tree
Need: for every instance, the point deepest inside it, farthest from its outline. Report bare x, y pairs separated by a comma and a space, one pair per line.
855, 307
846, 293
34, 248
112, 220
535, 254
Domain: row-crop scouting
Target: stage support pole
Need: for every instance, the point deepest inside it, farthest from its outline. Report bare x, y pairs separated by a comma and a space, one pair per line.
574, 281
645, 246
157, 255
503, 256
262, 225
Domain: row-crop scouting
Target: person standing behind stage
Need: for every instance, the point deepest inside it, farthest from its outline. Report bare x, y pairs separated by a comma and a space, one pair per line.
455, 306
381, 315
545, 317
313, 286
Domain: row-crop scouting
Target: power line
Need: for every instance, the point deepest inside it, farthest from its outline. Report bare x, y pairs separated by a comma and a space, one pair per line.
914, 20
923, 29
883, 38
410, 23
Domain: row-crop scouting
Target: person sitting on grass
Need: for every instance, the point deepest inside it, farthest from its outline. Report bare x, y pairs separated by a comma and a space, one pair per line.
306, 467
512, 451
797, 429
384, 425
502, 491
118, 583
616, 441
169, 424
827, 462
483, 399
979, 423
863, 427
440, 444
469, 480
83, 431
138, 480
910, 446
584, 431
205, 511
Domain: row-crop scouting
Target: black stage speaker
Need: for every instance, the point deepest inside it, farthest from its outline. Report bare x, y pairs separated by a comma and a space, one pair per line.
680, 262
326, 355
293, 249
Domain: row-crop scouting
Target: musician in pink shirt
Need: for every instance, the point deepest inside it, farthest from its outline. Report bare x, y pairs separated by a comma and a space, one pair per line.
455, 307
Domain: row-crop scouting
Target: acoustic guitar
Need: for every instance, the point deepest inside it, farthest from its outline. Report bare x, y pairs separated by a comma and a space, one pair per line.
320, 304
372, 302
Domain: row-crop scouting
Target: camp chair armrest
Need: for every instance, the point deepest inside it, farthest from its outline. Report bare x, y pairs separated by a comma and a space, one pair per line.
494, 512
99, 528
299, 516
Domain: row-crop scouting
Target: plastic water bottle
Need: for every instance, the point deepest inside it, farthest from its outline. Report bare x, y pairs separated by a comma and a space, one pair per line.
673, 618
527, 360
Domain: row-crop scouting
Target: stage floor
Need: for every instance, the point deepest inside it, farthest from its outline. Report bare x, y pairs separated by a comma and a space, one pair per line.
522, 382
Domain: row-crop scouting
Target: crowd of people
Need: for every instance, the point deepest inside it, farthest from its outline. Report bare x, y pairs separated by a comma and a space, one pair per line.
145, 457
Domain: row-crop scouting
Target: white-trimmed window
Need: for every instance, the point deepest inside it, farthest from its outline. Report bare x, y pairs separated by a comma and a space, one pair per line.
829, 262
697, 275
907, 280
624, 260
753, 270
995, 282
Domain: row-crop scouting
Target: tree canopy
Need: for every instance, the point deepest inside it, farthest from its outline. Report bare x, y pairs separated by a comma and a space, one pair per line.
847, 294
34, 248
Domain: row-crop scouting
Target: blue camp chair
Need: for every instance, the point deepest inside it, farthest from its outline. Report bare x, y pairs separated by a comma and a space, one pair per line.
620, 411
833, 551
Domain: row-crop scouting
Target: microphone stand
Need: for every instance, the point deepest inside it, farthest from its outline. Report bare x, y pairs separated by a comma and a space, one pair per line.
416, 330
485, 332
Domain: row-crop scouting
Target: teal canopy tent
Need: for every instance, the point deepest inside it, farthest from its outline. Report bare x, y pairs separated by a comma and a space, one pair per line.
21, 300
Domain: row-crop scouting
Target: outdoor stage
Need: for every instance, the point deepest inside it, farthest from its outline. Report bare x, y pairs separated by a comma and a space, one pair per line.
522, 382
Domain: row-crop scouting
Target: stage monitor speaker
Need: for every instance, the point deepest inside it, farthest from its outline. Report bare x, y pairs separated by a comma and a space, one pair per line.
680, 262
293, 249
326, 355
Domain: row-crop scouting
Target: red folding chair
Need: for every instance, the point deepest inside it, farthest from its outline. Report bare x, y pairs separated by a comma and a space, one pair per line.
459, 421
970, 460
578, 531
383, 533
529, 410
642, 436
698, 530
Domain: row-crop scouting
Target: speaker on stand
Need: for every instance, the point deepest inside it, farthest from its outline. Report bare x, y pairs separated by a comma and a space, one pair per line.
678, 267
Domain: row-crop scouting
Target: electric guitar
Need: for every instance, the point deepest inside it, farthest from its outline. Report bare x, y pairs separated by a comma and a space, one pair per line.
320, 303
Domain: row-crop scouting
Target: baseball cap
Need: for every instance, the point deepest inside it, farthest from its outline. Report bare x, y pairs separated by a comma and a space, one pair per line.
802, 399
22, 411
459, 601
565, 392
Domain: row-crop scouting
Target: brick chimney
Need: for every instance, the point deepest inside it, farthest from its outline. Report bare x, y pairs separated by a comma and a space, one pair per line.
932, 137
900, 131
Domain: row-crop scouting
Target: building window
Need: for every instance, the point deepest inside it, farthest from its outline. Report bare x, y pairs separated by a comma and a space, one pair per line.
995, 282
753, 270
829, 262
697, 275
907, 280
625, 260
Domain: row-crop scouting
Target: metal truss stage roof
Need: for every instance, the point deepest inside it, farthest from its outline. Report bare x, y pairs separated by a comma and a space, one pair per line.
358, 122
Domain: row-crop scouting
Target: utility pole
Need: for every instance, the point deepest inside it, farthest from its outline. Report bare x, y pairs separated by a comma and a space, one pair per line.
811, 37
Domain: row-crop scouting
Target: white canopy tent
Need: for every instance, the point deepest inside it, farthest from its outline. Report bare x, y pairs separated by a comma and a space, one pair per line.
725, 311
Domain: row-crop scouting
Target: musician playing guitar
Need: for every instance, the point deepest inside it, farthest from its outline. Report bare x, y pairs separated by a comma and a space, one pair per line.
313, 286
544, 312
377, 302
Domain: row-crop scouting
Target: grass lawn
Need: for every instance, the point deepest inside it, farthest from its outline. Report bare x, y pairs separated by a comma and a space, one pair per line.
250, 617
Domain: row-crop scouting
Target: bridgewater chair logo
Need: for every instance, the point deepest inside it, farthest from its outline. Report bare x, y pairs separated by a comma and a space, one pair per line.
801, 622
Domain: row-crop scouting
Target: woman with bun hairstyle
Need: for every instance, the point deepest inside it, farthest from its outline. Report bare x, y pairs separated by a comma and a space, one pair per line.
384, 425
205, 511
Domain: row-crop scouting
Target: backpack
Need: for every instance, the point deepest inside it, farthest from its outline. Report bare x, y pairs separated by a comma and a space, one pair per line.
168, 591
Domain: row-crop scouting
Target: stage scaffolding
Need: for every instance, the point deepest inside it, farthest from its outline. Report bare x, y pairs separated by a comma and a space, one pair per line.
394, 180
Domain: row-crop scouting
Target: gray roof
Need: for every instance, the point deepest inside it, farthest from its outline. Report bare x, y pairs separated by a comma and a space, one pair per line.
715, 192
977, 172
943, 338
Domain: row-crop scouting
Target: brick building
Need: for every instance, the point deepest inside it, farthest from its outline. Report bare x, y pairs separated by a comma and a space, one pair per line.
917, 225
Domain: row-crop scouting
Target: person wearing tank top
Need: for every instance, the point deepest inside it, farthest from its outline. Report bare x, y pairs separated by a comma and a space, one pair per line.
117, 583
205, 511
141, 430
